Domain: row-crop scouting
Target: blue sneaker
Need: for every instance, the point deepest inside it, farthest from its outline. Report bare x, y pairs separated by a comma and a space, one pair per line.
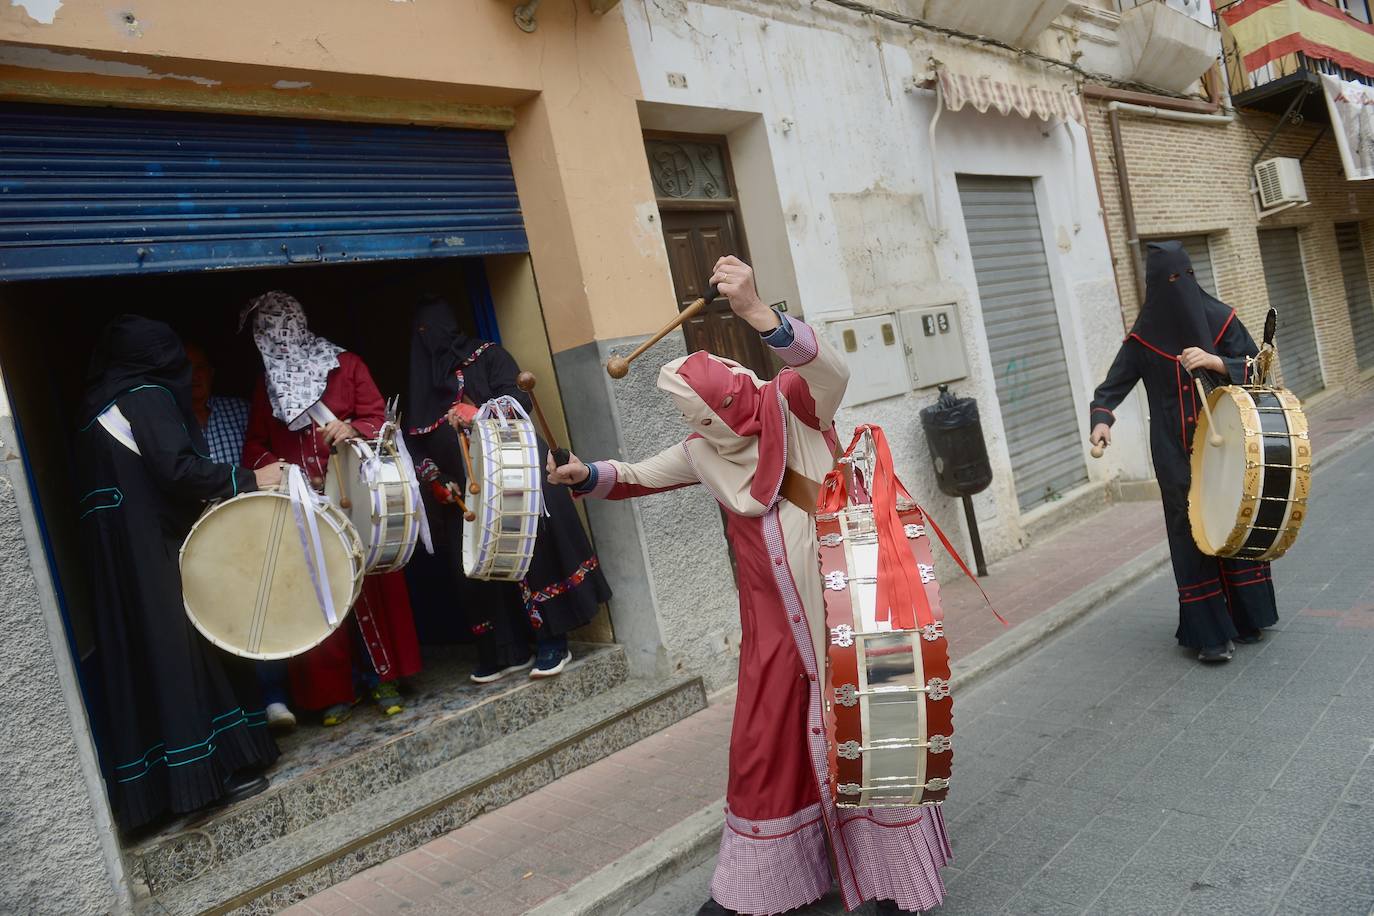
485, 675
550, 660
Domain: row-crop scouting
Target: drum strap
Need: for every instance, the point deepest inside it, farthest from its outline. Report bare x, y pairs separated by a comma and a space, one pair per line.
800, 490
303, 505
118, 426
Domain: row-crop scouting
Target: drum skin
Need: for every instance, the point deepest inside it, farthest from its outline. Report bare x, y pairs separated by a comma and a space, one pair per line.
882, 687
499, 544
1248, 496
383, 511
245, 582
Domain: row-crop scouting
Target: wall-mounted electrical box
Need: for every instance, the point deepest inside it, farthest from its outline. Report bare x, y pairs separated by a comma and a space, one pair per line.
873, 348
934, 345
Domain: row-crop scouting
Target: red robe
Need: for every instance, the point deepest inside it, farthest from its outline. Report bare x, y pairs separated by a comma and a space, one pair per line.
323, 676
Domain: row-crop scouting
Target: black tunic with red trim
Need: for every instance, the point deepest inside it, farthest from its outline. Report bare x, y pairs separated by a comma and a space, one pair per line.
1218, 598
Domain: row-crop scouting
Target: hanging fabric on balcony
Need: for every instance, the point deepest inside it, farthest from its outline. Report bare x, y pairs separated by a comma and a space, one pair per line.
1352, 115
1269, 30
989, 82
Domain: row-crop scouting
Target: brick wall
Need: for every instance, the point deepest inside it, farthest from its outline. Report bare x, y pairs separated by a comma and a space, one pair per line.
1189, 179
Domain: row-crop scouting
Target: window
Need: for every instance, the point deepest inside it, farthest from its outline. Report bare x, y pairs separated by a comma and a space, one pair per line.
1359, 9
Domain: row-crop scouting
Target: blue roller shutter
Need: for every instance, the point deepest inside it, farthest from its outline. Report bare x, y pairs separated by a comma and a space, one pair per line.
91, 192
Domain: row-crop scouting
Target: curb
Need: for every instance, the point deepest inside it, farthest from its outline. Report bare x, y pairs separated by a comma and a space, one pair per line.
633, 878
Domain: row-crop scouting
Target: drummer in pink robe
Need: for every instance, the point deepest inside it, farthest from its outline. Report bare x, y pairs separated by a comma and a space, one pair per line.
746, 435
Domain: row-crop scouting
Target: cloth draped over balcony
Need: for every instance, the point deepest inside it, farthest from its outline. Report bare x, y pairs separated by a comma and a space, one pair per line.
1267, 30
1352, 115
987, 81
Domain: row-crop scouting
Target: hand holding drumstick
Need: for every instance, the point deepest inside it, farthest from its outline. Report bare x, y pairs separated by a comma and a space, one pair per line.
1101, 438
569, 474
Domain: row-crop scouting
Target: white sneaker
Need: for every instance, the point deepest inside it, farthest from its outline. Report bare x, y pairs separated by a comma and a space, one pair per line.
279, 718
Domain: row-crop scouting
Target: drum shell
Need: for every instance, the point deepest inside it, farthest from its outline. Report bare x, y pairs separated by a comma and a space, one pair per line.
499, 544
245, 584
860, 657
384, 511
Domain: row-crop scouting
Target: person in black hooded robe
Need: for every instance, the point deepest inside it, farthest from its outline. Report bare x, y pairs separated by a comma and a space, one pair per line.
450, 375
187, 728
1184, 335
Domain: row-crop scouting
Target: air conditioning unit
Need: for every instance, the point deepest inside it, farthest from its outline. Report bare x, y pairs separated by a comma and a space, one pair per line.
1280, 183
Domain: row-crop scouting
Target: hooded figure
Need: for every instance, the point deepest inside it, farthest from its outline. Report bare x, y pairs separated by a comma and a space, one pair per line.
1220, 600
312, 395
185, 724
782, 830
564, 588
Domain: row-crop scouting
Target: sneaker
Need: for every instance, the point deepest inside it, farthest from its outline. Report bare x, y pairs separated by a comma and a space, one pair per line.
551, 663
485, 675
1220, 653
280, 718
387, 698
337, 714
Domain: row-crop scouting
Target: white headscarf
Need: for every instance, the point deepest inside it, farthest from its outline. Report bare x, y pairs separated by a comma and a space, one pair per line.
297, 363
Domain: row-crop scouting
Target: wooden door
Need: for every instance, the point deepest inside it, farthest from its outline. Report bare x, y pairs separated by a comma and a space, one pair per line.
696, 239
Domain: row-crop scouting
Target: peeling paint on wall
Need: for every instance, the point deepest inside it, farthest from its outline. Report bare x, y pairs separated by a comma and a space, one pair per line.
291, 84
886, 246
43, 59
44, 11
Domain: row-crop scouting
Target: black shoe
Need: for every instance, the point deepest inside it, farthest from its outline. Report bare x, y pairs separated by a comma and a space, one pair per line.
243, 785
711, 908
1249, 639
1221, 653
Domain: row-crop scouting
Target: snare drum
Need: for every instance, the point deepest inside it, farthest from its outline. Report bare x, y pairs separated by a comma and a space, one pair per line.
505, 462
889, 716
379, 483
1248, 496
245, 579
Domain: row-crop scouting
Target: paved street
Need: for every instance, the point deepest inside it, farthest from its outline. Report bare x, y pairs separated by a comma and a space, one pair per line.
1109, 773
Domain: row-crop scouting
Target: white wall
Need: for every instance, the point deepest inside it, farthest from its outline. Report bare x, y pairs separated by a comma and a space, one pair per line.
828, 100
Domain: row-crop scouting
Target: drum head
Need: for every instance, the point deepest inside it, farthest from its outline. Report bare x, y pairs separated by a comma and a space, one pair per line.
1218, 494
245, 582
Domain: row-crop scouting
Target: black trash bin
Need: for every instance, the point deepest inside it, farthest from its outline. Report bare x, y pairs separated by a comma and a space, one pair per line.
954, 435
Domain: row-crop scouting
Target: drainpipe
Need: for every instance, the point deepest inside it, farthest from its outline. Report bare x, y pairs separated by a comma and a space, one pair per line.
1123, 180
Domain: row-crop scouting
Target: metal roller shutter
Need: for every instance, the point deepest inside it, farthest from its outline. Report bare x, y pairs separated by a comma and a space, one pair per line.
1200, 253
1357, 297
87, 192
1296, 338
1022, 324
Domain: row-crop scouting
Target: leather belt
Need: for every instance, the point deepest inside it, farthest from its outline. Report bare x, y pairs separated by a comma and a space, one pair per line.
800, 491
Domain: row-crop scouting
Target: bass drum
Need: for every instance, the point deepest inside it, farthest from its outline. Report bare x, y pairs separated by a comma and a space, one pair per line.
499, 544
1248, 496
245, 580
383, 501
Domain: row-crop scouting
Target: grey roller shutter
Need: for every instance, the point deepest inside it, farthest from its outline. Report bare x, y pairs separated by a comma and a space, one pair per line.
1357, 297
1296, 339
1022, 324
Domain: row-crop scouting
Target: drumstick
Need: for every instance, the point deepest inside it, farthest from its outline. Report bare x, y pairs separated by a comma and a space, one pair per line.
473, 487
1098, 449
619, 367
525, 381
1214, 438
457, 493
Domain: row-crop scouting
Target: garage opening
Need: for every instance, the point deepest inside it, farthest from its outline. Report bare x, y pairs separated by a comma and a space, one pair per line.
183, 219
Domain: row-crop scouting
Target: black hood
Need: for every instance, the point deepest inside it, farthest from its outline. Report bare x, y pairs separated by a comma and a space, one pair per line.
133, 351
438, 348
1178, 313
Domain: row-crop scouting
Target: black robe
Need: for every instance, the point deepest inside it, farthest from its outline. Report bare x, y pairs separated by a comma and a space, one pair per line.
183, 715
1218, 598
565, 586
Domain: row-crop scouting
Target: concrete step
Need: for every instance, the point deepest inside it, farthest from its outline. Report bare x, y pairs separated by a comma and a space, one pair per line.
401, 817
325, 771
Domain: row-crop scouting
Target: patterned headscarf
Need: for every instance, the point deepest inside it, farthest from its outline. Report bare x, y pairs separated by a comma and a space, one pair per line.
297, 362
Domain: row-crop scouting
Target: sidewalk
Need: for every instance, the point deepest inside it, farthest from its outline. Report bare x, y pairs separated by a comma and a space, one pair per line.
511, 860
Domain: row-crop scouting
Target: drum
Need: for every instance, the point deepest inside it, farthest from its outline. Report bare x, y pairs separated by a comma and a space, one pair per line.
888, 712
378, 483
505, 463
246, 581
1248, 496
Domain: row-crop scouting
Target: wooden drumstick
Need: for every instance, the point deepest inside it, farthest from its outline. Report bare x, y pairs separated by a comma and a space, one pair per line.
473, 486
525, 381
1214, 438
1099, 448
619, 367
468, 515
